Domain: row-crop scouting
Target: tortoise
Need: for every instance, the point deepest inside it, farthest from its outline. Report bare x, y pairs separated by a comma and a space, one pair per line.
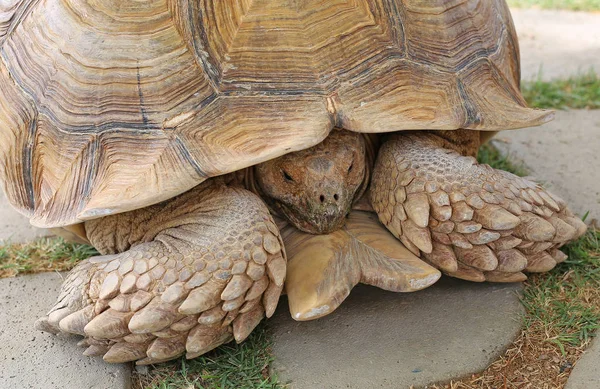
208, 149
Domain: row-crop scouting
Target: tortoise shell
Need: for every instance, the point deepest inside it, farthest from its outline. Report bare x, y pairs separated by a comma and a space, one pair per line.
112, 105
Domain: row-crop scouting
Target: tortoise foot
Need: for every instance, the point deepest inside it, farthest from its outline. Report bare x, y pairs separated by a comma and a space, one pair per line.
469, 220
209, 277
323, 269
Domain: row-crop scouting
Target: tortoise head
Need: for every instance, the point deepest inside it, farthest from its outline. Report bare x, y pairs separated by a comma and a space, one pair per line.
314, 188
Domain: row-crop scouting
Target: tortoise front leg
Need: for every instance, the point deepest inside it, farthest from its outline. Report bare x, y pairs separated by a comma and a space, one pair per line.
206, 268
470, 220
323, 269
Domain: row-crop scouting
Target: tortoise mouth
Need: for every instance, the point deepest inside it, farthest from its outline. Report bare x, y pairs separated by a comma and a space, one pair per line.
316, 223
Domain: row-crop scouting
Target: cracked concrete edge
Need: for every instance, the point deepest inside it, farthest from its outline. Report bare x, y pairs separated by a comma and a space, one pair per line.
586, 374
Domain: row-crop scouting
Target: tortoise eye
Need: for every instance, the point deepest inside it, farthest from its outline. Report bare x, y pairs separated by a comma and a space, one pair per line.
286, 176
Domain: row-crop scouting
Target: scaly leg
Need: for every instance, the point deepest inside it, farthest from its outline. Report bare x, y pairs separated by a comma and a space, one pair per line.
198, 271
469, 220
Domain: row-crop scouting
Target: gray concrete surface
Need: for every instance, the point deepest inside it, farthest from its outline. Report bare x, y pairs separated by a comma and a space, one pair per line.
560, 43
378, 339
15, 227
586, 374
564, 154
30, 359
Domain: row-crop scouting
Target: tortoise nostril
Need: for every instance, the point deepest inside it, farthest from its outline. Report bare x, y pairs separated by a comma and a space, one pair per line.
322, 197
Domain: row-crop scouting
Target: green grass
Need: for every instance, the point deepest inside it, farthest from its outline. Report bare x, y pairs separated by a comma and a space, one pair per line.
243, 366
572, 5
46, 254
566, 301
577, 92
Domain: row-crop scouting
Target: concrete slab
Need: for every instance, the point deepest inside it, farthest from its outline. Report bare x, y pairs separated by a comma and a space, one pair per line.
564, 154
559, 43
585, 375
15, 227
30, 359
379, 339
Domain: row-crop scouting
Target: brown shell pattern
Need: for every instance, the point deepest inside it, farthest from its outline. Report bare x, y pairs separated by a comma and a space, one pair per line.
112, 105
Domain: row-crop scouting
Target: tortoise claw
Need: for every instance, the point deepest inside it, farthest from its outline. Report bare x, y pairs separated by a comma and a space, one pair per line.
482, 223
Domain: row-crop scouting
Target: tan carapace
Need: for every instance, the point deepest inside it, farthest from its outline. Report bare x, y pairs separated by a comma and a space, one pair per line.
116, 115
